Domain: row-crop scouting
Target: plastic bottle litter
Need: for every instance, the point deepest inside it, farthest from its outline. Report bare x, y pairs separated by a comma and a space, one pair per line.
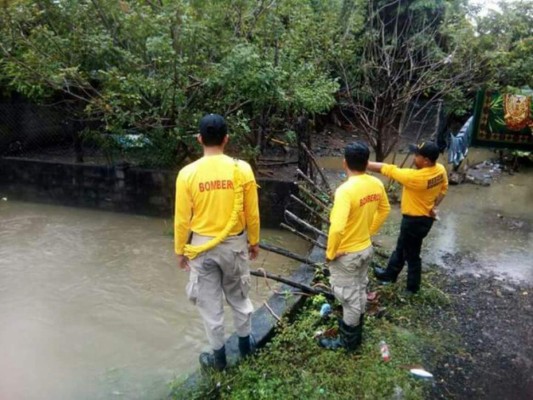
384, 350
421, 373
325, 310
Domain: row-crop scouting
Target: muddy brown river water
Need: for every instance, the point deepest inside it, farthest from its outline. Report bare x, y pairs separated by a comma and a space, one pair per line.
92, 305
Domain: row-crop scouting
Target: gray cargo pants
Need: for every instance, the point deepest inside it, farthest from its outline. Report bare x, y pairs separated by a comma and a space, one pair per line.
221, 272
349, 277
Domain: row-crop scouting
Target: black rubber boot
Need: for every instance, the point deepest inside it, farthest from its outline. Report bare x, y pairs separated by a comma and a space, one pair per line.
246, 346
414, 275
216, 361
361, 326
352, 336
349, 338
383, 276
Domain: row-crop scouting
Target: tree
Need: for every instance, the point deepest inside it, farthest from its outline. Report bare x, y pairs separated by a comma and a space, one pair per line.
157, 66
508, 36
404, 58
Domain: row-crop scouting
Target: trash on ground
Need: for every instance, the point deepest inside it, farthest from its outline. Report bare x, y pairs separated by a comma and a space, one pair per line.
325, 310
421, 373
384, 350
371, 296
318, 334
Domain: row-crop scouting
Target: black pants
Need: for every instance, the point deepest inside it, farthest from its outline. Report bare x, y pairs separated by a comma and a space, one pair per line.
413, 230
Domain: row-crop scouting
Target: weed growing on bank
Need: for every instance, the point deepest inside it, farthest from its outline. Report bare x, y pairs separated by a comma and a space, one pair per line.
293, 366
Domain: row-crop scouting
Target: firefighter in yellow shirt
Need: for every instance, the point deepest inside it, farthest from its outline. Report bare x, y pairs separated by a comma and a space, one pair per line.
215, 244
360, 208
423, 190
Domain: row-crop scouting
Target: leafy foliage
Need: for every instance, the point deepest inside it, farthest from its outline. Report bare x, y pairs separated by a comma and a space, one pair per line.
508, 37
155, 67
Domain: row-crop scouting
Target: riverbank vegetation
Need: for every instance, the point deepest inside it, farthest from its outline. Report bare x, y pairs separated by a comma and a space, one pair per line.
447, 329
293, 366
152, 68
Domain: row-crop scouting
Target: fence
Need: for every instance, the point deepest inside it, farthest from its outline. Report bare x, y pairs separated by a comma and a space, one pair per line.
425, 121
43, 133
52, 134
49, 133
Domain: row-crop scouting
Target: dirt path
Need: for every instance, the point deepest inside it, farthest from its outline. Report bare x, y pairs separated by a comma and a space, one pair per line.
493, 320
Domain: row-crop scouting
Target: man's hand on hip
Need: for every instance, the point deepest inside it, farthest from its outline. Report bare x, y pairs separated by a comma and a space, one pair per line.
338, 255
183, 263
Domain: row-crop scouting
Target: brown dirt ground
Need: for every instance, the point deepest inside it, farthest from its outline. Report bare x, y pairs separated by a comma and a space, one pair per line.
493, 319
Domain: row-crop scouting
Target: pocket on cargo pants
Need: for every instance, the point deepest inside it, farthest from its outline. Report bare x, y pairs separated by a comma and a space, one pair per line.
241, 262
192, 287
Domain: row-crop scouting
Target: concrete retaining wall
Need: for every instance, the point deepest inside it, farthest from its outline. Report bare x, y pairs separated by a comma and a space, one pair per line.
117, 188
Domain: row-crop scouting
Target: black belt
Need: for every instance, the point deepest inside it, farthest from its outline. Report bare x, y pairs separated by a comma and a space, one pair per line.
194, 233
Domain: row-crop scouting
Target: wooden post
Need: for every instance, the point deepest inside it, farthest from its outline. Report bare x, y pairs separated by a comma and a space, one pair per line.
288, 254
314, 199
306, 225
303, 236
304, 288
303, 137
315, 163
310, 209
313, 184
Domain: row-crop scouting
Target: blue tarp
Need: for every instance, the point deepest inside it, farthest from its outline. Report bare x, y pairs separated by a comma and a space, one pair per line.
458, 144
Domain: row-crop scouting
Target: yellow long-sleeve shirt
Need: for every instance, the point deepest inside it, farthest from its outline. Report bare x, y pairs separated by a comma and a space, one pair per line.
360, 208
420, 187
204, 200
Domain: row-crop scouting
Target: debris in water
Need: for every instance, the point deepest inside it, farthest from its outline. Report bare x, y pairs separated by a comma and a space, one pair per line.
4, 198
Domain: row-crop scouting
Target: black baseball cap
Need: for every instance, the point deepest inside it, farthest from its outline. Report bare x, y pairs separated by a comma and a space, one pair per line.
426, 149
213, 124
